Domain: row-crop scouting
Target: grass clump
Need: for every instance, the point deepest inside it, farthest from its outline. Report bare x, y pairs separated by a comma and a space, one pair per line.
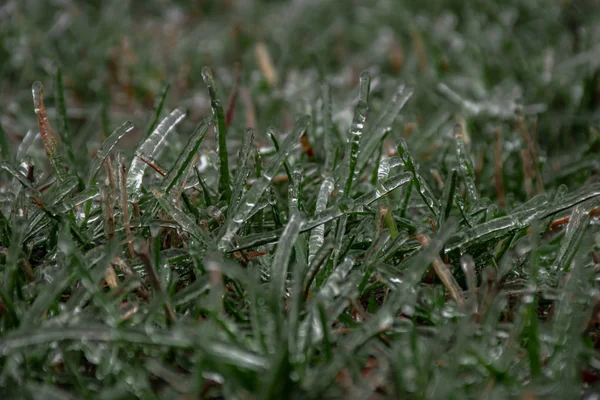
388, 200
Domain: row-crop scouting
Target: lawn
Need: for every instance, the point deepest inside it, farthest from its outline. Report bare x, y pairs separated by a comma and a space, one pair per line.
262, 199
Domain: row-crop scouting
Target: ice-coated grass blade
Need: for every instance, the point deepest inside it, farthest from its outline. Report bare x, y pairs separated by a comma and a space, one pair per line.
317, 236
184, 220
288, 170
383, 189
63, 120
383, 124
327, 128
147, 150
419, 181
281, 260
186, 156
19, 176
158, 107
251, 198
106, 148
448, 197
356, 129
48, 135
577, 226
221, 131
242, 170
465, 165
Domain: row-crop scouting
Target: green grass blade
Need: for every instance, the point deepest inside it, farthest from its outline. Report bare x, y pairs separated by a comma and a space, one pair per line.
186, 156
418, 180
356, 129
221, 131
158, 107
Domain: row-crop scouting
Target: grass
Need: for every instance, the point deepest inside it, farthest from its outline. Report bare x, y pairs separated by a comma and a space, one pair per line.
286, 199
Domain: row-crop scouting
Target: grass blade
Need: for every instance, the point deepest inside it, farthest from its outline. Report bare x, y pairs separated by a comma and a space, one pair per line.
419, 181
356, 129
221, 130
106, 148
48, 135
186, 156
147, 150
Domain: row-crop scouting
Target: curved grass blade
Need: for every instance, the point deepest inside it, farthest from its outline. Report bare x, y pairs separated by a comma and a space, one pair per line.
221, 130
186, 156
48, 135
19, 176
383, 189
25, 145
251, 198
281, 260
577, 226
106, 148
147, 151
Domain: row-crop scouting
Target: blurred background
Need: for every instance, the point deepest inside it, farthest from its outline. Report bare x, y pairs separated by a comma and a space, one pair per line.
479, 60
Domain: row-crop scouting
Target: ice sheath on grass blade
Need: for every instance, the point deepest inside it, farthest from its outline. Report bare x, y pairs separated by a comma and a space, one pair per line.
377, 133
356, 129
106, 148
221, 131
186, 156
148, 150
317, 236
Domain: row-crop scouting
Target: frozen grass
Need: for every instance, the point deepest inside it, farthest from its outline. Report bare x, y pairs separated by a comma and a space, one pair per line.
378, 201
